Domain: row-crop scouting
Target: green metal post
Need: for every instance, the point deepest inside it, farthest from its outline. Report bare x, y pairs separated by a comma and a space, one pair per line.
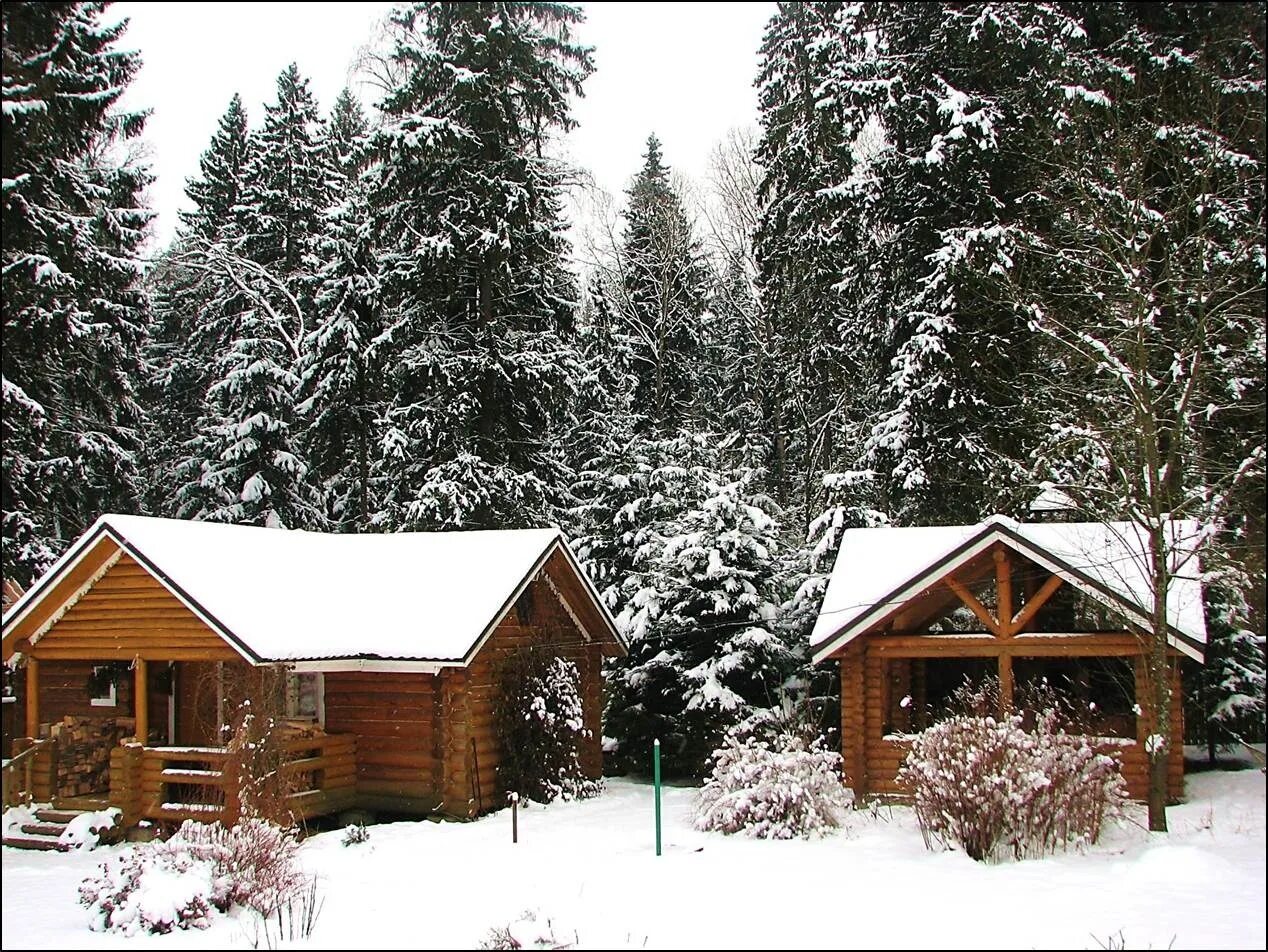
656, 784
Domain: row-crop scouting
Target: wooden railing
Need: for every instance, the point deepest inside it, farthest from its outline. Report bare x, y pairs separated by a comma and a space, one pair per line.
196, 783
29, 776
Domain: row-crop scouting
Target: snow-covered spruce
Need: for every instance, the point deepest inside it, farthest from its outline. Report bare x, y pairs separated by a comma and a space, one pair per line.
774, 788
994, 789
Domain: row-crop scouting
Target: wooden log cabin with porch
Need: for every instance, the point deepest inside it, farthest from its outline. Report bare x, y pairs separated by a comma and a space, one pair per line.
911, 614
129, 649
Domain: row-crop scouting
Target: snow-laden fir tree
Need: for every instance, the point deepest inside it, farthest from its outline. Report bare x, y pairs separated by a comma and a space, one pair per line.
699, 613
475, 295
73, 313
660, 297
183, 286
341, 373
245, 461
217, 189
812, 386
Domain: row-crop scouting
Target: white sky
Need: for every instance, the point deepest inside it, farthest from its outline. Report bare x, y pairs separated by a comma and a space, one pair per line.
683, 70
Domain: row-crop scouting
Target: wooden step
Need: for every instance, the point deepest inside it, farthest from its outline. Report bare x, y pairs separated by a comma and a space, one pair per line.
57, 816
35, 843
44, 829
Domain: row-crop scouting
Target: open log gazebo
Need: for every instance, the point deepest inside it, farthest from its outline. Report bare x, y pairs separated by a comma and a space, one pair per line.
910, 614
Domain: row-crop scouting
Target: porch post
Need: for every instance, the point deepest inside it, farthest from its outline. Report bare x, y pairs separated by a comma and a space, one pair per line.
32, 697
1005, 682
141, 701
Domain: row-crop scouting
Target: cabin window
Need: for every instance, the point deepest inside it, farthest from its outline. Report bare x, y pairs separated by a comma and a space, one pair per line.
1096, 696
920, 691
304, 696
103, 685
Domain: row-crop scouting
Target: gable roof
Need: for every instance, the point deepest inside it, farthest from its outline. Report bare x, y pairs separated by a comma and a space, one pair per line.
879, 569
292, 595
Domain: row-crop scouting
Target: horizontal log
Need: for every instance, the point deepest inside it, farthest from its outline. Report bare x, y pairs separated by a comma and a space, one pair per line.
306, 764
179, 816
393, 758
110, 653
379, 773
419, 730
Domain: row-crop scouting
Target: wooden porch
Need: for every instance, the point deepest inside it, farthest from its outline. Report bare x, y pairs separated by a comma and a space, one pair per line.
173, 784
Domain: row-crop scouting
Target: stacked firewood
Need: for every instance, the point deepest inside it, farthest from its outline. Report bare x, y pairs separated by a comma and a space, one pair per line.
83, 752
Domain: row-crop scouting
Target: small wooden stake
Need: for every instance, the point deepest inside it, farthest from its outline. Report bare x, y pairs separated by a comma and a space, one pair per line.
515, 817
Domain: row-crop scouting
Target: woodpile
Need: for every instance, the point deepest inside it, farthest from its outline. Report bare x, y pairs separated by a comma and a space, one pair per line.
83, 752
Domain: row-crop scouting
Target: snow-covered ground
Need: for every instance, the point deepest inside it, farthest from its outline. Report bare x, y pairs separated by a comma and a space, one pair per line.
590, 869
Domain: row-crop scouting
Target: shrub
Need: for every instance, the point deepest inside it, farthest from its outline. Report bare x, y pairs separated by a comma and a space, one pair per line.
539, 721
159, 886
354, 834
775, 786
992, 788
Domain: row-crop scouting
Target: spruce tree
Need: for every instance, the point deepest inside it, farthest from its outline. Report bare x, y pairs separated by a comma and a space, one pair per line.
662, 296
73, 313
475, 294
342, 375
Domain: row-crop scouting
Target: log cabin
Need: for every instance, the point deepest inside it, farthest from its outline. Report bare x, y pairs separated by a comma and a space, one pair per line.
911, 614
388, 646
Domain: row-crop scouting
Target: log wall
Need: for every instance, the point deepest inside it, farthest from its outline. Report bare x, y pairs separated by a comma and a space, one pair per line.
393, 718
128, 614
469, 746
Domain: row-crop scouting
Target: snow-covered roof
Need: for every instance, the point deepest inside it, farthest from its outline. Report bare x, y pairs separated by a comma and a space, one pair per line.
879, 569
289, 595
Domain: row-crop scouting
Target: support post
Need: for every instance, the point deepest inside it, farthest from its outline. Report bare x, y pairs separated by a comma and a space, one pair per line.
32, 697
1005, 683
515, 817
1004, 592
656, 784
141, 701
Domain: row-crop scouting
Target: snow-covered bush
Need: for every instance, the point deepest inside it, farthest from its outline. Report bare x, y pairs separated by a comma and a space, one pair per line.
354, 834
540, 720
527, 932
993, 788
203, 868
152, 889
776, 787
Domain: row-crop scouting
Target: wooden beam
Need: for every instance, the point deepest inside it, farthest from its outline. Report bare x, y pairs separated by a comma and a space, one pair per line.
141, 700
1004, 591
32, 697
1005, 683
971, 601
1032, 606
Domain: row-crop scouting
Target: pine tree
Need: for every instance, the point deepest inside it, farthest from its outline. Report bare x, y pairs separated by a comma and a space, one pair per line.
1147, 282
804, 152
73, 313
476, 298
